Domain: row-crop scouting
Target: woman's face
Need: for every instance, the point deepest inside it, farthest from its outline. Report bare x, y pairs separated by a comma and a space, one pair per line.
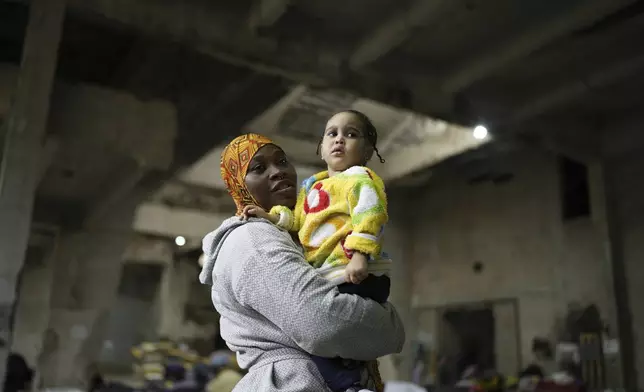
271, 178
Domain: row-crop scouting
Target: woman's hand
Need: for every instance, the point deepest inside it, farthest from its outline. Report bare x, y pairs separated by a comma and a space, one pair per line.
258, 212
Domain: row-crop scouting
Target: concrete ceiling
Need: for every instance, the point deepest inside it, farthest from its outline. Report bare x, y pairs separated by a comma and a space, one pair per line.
408, 141
542, 71
195, 201
436, 57
520, 67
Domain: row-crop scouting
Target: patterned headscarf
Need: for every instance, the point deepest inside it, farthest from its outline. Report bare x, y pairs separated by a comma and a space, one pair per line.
234, 164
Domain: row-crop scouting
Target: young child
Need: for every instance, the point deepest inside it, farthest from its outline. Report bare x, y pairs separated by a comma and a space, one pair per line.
340, 217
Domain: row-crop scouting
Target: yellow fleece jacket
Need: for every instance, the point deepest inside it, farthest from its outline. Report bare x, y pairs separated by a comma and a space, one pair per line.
336, 216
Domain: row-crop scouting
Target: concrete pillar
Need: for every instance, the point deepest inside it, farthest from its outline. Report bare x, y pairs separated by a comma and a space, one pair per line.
87, 274
85, 284
172, 299
601, 217
397, 243
176, 291
33, 306
23, 136
135, 317
154, 251
623, 195
506, 344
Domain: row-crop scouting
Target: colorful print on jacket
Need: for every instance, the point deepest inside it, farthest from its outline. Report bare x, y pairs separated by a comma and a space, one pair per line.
335, 216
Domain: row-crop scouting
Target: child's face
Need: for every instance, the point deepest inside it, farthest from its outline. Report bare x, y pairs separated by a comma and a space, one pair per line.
344, 144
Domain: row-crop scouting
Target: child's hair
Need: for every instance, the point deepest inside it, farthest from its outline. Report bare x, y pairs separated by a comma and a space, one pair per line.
371, 134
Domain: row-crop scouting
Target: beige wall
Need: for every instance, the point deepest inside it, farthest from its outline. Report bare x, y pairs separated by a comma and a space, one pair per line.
515, 229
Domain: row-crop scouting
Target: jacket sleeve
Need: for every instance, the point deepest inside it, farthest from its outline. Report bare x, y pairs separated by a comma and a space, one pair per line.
368, 208
291, 220
280, 285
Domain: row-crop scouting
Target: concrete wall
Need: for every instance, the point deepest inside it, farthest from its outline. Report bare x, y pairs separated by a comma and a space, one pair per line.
516, 231
8, 79
96, 117
73, 295
72, 302
131, 321
134, 319
397, 244
174, 294
33, 309
626, 173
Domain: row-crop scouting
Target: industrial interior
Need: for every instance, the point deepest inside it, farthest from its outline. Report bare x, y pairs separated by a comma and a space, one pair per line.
512, 138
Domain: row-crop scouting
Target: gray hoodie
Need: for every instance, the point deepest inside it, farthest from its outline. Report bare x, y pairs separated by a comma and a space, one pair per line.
276, 310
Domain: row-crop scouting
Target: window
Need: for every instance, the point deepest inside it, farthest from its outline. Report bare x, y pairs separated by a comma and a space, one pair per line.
575, 195
140, 281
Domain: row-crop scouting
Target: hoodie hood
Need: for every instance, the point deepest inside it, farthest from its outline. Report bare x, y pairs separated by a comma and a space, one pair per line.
211, 245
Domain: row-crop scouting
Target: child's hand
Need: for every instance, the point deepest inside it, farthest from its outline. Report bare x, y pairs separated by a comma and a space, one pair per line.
356, 270
258, 212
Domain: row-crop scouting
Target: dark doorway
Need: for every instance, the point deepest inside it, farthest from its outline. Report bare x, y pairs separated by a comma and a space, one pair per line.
472, 331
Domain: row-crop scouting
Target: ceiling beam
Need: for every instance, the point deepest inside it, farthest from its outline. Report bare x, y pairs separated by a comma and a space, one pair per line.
104, 205
571, 138
583, 84
218, 35
596, 41
404, 125
165, 221
265, 13
177, 193
622, 137
126, 71
149, 250
198, 26
138, 122
205, 172
534, 38
269, 120
395, 32
49, 151
575, 147
430, 151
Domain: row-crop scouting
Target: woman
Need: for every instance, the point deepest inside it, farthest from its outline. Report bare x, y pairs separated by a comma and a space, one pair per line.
275, 309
